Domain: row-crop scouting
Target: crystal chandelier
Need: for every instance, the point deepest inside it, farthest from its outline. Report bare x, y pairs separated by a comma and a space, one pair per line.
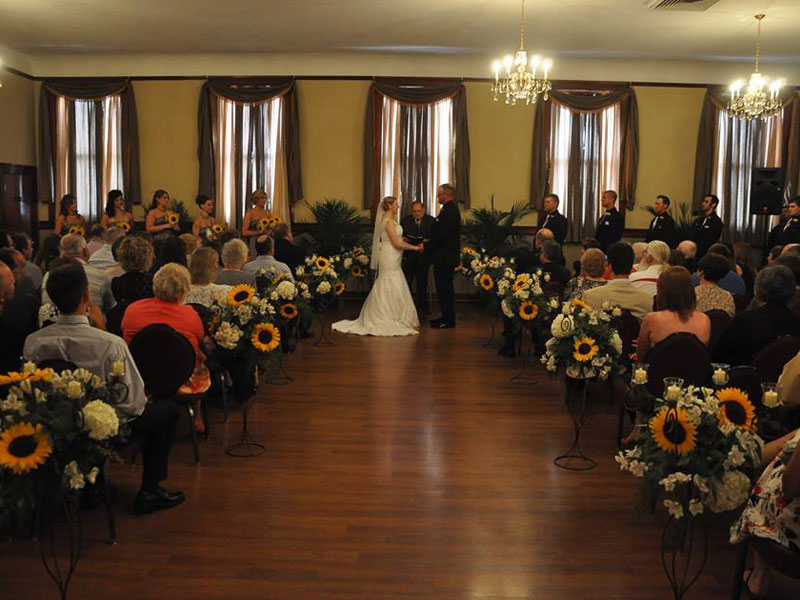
517, 83
755, 102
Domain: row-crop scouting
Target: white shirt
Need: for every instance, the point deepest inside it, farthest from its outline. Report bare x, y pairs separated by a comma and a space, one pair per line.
102, 258
99, 287
72, 338
646, 280
267, 262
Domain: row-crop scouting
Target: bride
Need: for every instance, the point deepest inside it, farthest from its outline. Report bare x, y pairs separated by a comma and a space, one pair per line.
389, 309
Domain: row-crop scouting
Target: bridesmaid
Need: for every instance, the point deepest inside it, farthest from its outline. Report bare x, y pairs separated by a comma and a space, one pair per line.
115, 214
68, 216
156, 221
250, 225
205, 223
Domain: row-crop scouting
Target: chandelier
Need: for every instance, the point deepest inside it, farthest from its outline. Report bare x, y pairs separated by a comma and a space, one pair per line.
517, 83
756, 102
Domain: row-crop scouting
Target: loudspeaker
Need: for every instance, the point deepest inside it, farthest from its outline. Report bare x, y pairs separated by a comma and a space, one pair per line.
766, 191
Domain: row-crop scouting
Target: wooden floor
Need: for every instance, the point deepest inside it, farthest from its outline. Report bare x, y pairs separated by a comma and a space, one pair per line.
395, 468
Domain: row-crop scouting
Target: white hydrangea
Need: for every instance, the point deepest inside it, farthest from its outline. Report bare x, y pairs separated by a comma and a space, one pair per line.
730, 493
363, 259
286, 290
100, 420
227, 335
73, 473
638, 468
347, 263
562, 326
324, 287
502, 287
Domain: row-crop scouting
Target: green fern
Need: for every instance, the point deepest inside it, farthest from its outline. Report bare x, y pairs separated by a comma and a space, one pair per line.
339, 225
492, 231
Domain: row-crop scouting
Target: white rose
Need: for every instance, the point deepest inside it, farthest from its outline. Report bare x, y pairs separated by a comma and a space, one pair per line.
547, 276
74, 390
324, 287
227, 335
100, 420
286, 290
363, 259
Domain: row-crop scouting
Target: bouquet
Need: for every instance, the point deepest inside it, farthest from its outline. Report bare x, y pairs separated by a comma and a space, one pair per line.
173, 218
243, 324
323, 282
701, 449
465, 264
56, 430
522, 299
583, 342
268, 223
288, 298
77, 230
124, 226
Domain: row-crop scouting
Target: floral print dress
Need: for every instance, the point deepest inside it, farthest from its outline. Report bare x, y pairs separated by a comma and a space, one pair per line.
767, 514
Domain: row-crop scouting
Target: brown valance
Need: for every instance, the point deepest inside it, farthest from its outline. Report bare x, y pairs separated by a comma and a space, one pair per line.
587, 101
418, 93
95, 89
250, 90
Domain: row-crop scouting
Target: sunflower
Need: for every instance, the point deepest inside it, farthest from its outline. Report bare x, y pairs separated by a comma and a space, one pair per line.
125, 226
358, 251
528, 310
278, 278
322, 263
263, 224
581, 303
585, 349
339, 288
173, 218
266, 337
217, 228
735, 408
240, 294
487, 282
357, 271
672, 430
469, 251
77, 230
288, 311
24, 447
275, 221
521, 281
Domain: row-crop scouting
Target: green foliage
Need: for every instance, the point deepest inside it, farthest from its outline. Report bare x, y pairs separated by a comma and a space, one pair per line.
682, 213
339, 226
491, 231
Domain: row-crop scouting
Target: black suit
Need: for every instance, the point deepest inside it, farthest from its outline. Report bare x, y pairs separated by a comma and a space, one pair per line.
662, 228
415, 264
705, 232
289, 254
790, 234
609, 228
444, 251
18, 319
557, 223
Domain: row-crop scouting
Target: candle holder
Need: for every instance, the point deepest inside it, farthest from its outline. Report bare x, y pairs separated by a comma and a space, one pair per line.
769, 396
673, 388
719, 375
639, 373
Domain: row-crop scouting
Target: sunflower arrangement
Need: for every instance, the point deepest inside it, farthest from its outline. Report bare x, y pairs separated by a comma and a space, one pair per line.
700, 452
289, 299
77, 230
321, 276
583, 342
56, 429
218, 228
522, 300
237, 318
351, 263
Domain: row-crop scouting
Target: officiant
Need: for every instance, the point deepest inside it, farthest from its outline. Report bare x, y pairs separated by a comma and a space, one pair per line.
416, 230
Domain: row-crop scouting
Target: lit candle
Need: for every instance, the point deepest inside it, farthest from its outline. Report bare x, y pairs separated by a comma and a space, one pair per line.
771, 398
534, 64
496, 68
640, 376
673, 392
508, 61
118, 368
546, 65
720, 377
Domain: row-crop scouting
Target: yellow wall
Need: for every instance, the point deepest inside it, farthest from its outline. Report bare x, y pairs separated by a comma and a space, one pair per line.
17, 141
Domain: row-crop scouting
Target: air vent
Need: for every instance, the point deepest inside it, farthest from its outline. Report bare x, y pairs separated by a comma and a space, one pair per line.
693, 5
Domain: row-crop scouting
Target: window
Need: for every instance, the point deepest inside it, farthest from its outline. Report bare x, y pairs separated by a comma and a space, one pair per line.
89, 156
584, 161
417, 148
249, 156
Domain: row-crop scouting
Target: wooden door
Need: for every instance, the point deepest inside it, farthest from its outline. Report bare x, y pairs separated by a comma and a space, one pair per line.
18, 208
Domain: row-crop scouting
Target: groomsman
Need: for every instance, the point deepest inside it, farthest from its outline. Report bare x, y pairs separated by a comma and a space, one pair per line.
417, 230
610, 226
791, 230
554, 220
707, 228
662, 227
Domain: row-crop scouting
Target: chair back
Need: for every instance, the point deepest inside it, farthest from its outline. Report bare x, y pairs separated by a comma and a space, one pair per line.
206, 316
682, 355
58, 365
741, 302
627, 327
719, 321
164, 357
770, 360
747, 379
114, 317
777, 556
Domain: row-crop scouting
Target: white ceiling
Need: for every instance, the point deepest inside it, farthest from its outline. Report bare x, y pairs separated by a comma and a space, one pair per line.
479, 29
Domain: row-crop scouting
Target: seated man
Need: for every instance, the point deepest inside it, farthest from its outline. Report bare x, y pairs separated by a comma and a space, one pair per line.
71, 338
20, 317
6, 285
103, 257
286, 251
619, 291
265, 250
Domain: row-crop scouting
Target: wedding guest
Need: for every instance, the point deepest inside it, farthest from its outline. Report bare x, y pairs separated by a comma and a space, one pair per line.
171, 283
265, 259
169, 250
586, 244
639, 252
103, 257
95, 239
751, 330
6, 285
773, 510
706, 228
662, 226
20, 315
619, 291
234, 255
528, 261
24, 244
676, 259
552, 263
650, 268
792, 263
71, 338
114, 214
593, 266
136, 259
156, 222
712, 268
190, 244
774, 253
116, 270
610, 226
48, 252
689, 251
732, 282
286, 251
554, 220
789, 383
68, 216
203, 268
742, 257
205, 220
416, 267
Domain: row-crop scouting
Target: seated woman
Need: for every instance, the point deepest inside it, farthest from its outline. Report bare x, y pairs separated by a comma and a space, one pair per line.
155, 222
203, 267
68, 216
205, 221
773, 510
712, 268
115, 214
190, 244
752, 329
48, 252
135, 256
170, 285
677, 312
593, 267
234, 255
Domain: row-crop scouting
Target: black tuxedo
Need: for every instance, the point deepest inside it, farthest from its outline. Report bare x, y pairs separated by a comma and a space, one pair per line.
415, 264
609, 228
662, 228
705, 232
289, 254
444, 252
557, 223
790, 234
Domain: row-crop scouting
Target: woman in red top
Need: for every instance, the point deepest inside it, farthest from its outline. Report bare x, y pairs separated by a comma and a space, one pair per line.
170, 285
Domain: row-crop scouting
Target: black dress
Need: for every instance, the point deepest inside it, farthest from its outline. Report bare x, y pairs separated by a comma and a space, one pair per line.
131, 287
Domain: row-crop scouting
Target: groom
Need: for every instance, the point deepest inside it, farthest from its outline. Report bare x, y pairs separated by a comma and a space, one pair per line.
443, 252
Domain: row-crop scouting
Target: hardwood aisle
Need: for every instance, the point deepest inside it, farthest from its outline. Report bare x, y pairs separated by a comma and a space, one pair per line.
394, 468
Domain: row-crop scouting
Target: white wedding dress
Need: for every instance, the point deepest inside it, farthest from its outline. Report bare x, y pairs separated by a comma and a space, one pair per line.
389, 309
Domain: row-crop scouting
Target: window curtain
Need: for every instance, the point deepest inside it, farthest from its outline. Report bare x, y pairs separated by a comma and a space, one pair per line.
400, 155
88, 142
598, 152
729, 148
249, 137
